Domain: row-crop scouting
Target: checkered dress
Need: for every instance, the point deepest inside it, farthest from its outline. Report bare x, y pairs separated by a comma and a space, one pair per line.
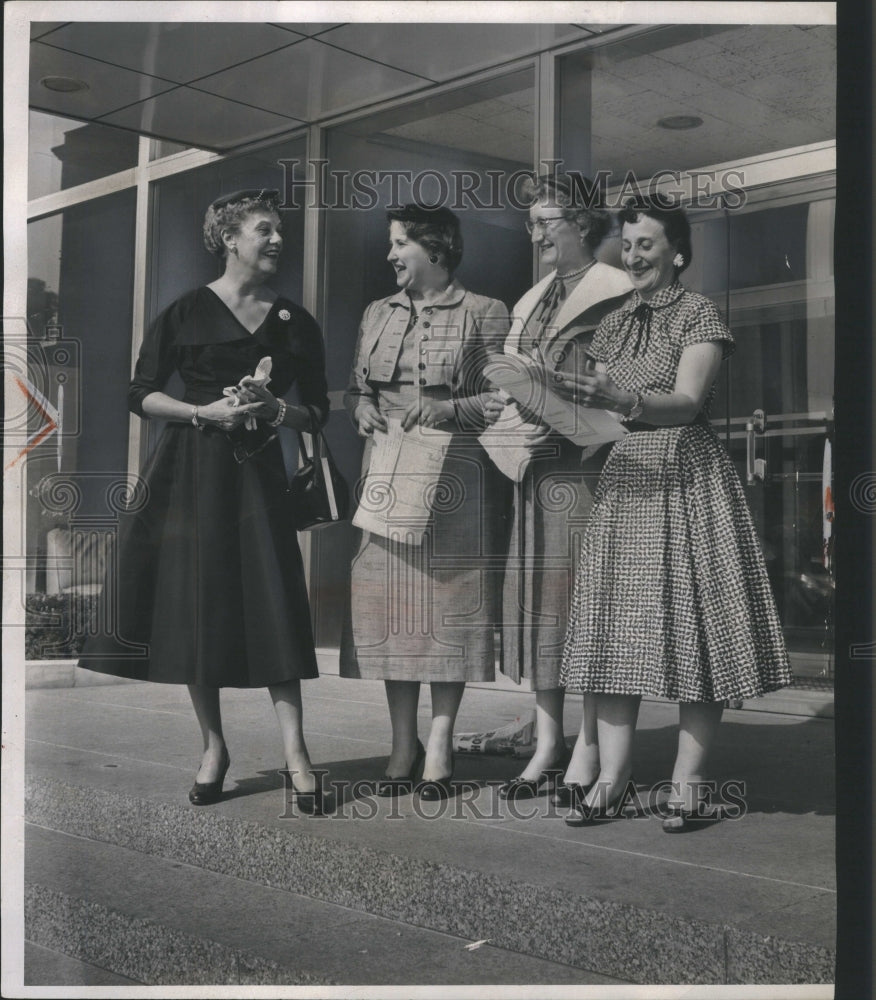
672, 596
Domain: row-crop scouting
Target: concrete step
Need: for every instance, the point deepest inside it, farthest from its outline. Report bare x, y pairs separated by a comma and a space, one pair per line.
562, 922
146, 919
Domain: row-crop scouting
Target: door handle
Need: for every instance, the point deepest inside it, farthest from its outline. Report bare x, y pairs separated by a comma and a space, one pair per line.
755, 467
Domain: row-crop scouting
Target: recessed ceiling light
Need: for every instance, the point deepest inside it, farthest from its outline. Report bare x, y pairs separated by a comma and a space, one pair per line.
680, 122
63, 84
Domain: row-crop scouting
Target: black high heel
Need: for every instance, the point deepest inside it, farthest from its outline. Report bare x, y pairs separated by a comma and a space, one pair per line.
436, 789
206, 793
388, 787
310, 803
527, 788
681, 820
582, 816
565, 794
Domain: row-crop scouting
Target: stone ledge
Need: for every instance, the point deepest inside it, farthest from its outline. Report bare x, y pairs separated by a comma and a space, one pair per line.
606, 937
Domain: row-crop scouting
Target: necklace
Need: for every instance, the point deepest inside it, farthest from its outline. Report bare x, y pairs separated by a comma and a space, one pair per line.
581, 270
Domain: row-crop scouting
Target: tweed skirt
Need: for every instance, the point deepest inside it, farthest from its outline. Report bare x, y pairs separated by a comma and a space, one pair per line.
551, 508
430, 612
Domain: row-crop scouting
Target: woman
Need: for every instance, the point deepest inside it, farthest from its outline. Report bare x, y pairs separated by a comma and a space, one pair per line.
426, 612
672, 597
210, 588
553, 323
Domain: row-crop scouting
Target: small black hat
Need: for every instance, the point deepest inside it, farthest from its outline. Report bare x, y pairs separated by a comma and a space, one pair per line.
259, 194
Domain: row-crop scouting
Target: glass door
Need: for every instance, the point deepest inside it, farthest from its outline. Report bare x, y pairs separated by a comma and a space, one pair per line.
774, 409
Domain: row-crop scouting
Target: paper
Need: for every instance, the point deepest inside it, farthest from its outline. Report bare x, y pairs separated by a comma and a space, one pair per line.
529, 384
403, 482
505, 441
261, 377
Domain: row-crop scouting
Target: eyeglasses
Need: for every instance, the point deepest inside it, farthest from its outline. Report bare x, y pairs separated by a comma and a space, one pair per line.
543, 224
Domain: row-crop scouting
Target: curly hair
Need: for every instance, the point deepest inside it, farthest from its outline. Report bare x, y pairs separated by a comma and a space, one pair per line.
437, 231
559, 190
674, 221
227, 213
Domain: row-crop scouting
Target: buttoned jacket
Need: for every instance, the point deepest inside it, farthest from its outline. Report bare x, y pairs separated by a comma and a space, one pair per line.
452, 338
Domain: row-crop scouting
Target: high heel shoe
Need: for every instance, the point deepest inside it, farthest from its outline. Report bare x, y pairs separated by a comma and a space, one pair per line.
310, 803
436, 789
681, 820
565, 794
206, 793
388, 787
580, 815
527, 788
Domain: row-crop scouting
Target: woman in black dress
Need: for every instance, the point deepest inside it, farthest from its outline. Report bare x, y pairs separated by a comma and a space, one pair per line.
209, 586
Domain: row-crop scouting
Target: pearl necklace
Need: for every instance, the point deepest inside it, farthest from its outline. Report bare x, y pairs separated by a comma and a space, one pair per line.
575, 274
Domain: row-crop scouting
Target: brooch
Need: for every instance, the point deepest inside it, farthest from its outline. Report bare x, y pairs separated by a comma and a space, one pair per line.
284, 314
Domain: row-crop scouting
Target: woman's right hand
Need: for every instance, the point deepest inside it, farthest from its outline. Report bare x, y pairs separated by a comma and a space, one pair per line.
369, 419
223, 413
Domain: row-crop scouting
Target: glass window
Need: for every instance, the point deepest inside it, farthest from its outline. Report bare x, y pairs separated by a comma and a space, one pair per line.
64, 153
80, 291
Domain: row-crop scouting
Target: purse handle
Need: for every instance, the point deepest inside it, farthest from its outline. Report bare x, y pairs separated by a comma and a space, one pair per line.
317, 441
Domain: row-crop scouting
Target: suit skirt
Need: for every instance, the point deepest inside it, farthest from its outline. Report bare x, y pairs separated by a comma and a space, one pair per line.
551, 508
430, 612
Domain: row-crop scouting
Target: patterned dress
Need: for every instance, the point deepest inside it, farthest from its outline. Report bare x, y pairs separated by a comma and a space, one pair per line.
672, 597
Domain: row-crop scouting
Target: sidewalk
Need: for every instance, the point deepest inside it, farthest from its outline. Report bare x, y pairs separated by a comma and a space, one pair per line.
750, 900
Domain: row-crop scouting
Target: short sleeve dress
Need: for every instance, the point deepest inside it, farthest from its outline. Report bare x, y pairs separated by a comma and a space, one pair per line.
206, 582
672, 596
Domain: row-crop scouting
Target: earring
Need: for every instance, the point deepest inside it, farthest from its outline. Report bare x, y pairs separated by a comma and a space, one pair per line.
678, 260
433, 258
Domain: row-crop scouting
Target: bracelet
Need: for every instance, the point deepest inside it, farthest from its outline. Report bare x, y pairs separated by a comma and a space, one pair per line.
635, 410
281, 414
195, 422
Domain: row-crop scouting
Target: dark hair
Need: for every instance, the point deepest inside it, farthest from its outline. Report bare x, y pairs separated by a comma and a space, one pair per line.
673, 220
228, 212
435, 229
576, 201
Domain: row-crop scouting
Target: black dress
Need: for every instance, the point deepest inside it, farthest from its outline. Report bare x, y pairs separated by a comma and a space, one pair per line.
207, 582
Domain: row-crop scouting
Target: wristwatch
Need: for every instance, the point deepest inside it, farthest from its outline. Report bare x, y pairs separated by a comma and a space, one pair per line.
635, 410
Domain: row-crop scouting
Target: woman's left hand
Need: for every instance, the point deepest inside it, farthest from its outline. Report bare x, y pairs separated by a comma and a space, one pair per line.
249, 390
428, 413
593, 389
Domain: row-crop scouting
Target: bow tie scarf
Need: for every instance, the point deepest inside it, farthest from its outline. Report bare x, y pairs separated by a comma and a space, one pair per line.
640, 326
547, 307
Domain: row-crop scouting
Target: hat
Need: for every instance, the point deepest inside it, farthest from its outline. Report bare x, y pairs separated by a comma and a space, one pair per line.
258, 194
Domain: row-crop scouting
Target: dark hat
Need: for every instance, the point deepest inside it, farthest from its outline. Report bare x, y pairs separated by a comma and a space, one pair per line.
258, 194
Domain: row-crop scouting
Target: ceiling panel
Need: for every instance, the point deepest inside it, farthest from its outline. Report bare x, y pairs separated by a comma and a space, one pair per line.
308, 28
109, 87
181, 51
40, 28
442, 51
309, 81
199, 119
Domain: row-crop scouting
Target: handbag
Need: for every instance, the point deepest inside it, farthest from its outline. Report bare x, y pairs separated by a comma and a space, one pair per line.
318, 493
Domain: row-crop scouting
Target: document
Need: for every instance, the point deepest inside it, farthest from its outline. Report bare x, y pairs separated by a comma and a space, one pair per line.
529, 384
403, 481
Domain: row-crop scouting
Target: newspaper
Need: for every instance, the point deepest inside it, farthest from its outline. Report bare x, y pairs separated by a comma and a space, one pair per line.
403, 481
529, 384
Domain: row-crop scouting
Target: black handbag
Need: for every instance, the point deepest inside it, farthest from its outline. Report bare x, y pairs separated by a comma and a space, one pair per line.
318, 493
